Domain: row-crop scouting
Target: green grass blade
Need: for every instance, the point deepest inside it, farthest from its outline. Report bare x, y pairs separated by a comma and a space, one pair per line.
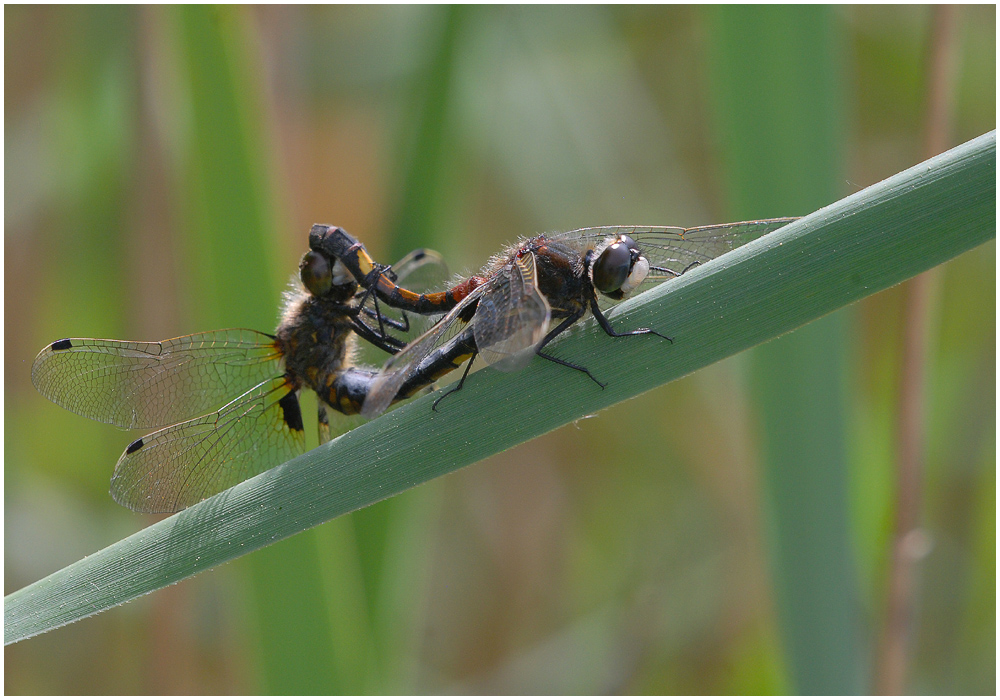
417, 221
230, 248
424, 157
850, 249
779, 102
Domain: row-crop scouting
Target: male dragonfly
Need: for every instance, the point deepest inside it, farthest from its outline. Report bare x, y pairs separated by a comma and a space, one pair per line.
503, 313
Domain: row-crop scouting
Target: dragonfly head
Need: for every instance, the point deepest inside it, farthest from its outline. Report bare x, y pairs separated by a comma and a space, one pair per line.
323, 278
619, 268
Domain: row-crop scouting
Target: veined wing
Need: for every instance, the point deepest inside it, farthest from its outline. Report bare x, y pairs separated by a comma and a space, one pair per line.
672, 250
511, 320
151, 384
177, 466
401, 367
422, 270
671, 253
737, 232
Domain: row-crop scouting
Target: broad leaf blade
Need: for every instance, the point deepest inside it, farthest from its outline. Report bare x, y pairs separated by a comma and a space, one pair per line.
841, 253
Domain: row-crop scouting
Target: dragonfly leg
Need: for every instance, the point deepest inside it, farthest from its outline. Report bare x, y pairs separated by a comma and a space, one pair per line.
402, 325
606, 325
324, 424
564, 363
460, 383
566, 323
368, 292
369, 284
382, 341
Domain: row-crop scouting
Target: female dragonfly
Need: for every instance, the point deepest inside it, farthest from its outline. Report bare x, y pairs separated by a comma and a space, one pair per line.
228, 398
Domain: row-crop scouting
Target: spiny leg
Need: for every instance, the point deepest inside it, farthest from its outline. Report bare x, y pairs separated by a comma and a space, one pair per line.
606, 325
370, 285
324, 424
460, 382
564, 363
402, 325
384, 342
566, 323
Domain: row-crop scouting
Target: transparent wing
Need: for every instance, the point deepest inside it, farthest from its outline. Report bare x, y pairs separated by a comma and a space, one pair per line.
151, 384
422, 270
401, 367
739, 231
511, 320
178, 466
672, 250
671, 253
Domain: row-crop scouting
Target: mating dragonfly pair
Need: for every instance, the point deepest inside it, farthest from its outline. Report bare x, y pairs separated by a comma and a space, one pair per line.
229, 398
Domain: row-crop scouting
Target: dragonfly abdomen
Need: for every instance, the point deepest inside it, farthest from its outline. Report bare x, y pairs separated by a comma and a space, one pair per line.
445, 359
431, 303
339, 244
345, 391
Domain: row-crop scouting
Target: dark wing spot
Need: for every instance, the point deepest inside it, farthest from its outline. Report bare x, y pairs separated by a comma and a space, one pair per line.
64, 344
134, 447
292, 413
467, 313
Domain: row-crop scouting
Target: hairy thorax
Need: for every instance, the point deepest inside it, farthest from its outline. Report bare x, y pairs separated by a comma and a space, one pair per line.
561, 276
315, 336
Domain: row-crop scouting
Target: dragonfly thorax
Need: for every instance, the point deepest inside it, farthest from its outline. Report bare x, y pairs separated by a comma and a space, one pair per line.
315, 339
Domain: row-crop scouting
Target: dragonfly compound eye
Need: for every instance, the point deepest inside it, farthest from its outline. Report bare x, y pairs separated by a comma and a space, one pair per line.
612, 267
314, 271
637, 276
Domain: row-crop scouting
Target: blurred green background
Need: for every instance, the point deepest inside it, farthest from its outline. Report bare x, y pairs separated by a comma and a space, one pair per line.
727, 533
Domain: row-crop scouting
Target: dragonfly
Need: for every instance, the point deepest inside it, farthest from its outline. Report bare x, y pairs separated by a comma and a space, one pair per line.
226, 402
503, 314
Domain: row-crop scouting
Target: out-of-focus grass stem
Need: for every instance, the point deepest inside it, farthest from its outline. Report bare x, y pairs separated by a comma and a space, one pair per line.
920, 301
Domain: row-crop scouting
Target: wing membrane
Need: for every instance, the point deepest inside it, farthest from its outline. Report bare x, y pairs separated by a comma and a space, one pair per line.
422, 270
401, 367
512, 318
151, 384
672, 250
177, 466
671, 254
